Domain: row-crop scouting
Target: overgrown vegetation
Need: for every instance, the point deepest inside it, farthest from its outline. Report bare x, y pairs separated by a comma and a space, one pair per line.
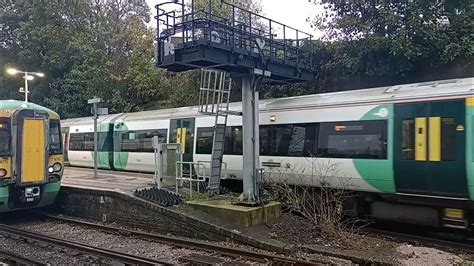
317, 193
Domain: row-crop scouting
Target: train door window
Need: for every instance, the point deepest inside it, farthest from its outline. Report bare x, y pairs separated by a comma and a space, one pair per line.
364, 139
189, 140
4, 137
408, 139
448, 139
55, 145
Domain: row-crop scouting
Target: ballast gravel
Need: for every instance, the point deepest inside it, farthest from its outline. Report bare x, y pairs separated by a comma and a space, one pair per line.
47, 253
117, 242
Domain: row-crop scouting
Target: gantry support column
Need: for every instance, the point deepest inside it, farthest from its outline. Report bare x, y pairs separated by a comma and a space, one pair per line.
251, 139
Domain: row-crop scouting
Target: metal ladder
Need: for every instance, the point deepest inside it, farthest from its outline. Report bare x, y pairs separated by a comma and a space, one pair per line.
214, 97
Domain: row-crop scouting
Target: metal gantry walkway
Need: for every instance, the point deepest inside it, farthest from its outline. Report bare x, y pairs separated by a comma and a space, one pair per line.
190, 38
252, 49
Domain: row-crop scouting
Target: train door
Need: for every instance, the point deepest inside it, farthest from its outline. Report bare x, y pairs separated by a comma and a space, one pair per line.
31, 143
182, 131
429, 155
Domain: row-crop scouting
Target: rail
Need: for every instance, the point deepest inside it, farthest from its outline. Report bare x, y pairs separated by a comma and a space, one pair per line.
191, 244
426, 240
11, 258
107, 253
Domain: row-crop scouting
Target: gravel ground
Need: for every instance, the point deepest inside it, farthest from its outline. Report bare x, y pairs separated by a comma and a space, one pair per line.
116, 242
410, 255
151, 231
296, 230
47, 253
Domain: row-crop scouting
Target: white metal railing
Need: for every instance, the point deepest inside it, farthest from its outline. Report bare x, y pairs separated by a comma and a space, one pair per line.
207, 164
192, 176
199, 172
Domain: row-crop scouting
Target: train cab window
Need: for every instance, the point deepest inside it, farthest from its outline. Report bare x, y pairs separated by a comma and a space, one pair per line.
4, 137
448, 139
55, 145
141, 140
361, 139
408, 139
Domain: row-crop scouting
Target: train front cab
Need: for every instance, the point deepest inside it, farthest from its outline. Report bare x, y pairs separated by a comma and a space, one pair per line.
31, 161
432, 165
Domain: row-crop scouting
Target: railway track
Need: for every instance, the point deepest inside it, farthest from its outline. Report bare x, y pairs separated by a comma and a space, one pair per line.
216, 251
100, 252
10, 258
417, 238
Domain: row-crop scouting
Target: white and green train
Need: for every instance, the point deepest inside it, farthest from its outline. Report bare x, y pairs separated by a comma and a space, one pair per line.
408, 148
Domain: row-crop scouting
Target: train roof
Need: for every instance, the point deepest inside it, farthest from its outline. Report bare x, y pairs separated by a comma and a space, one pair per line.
453, 88
19, 105
398, 93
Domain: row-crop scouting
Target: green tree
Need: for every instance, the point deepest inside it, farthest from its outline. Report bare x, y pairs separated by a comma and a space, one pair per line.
86, 48
397, 41
379, 43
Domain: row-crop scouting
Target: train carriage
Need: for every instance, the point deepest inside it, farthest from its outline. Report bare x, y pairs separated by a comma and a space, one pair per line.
408, 148
80, 134
31, 155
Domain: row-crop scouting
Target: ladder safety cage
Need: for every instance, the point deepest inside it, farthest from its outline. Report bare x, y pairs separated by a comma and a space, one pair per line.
214, 99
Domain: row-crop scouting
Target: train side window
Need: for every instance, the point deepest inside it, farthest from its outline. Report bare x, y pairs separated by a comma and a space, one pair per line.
408, 139
85, 141
361, 139
141, 140
88, 141
4, 137
76, 141
146, 138
204, 140
448, 139
295, 140
234, 139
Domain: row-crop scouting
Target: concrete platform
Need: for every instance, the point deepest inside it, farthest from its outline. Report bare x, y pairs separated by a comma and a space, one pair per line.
124, 181
245, 216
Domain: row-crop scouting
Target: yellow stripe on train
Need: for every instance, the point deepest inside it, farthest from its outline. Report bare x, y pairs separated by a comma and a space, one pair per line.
470, 101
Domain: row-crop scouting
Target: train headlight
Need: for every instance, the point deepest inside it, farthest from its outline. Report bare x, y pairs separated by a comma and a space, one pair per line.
3, 172
57, 167
50, 169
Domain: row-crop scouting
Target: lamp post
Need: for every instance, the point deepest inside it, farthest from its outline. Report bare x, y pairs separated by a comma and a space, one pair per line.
27, 76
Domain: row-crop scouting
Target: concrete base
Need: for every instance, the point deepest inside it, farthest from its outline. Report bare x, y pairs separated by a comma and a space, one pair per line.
241, 215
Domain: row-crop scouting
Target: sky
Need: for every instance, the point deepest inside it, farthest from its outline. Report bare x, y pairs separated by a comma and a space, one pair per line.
293, 13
